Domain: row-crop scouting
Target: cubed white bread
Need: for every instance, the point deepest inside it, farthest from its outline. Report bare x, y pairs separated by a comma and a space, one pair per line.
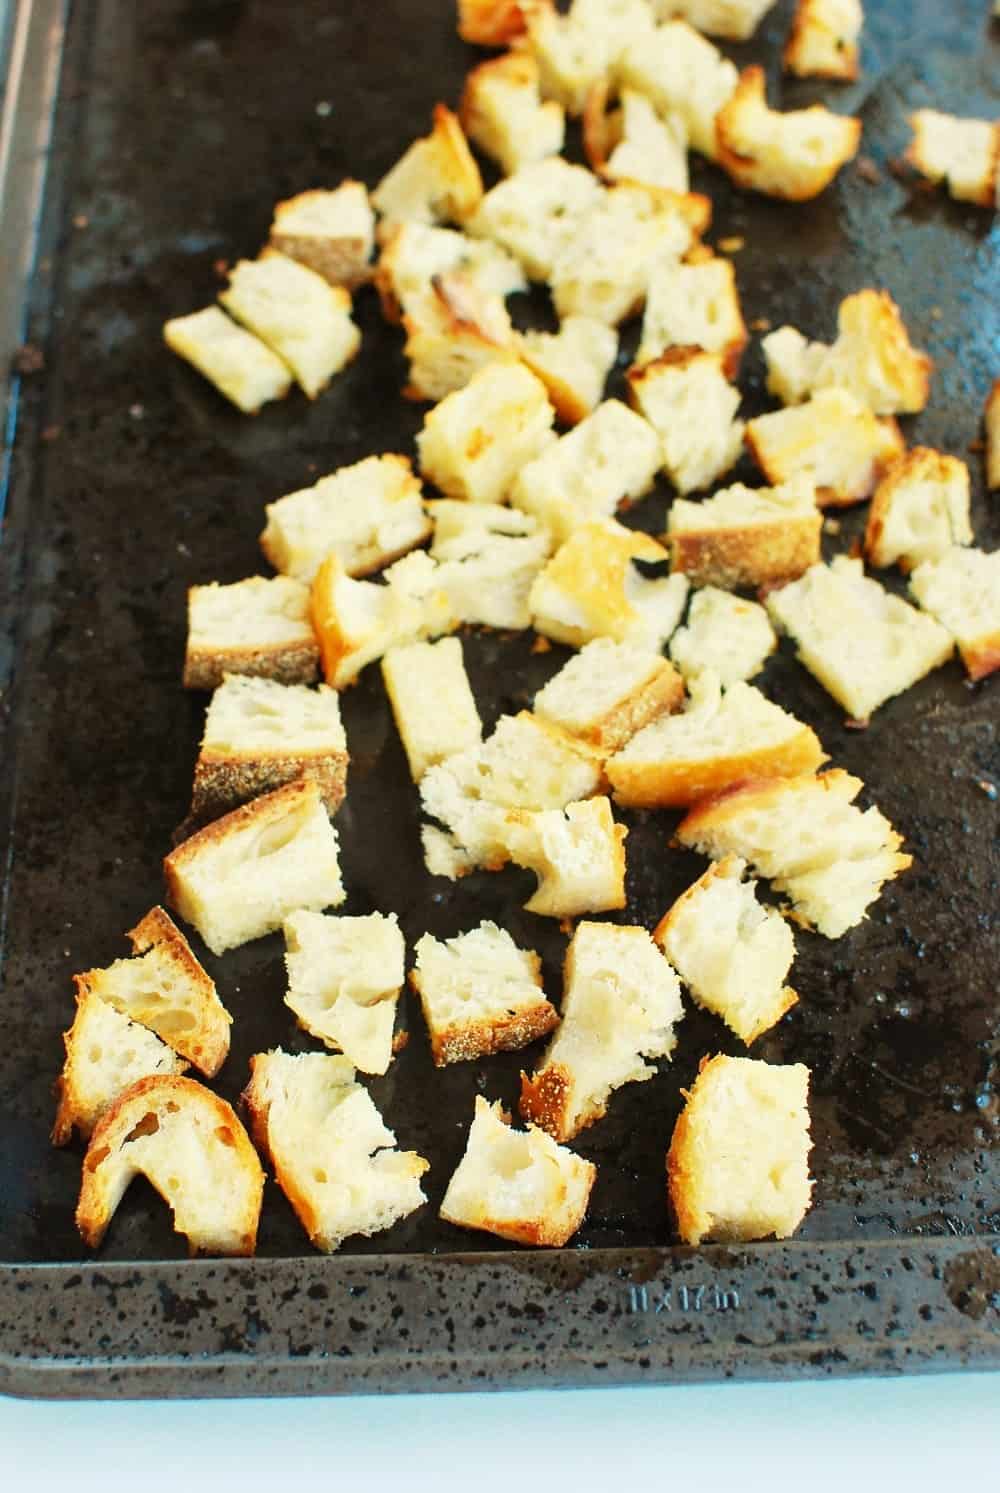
735, 20
163, 987
490, 23
681, 72
964, 154
105, 1054
809, 839
487, 579
258, 626
306, 321
621, 1002
575, 50
919, 510
794, 155
435, 181
572, 363
746, 536
991, 418
577, 853
502, 112
733, 954
823, 40
694, 305
633, 143
334, 1158
480, 994
533, 213
610, 457
357, 622
833, 440
474, 443
414, 253
189, 1145
690, 403
738, 1164
432, 702
344, 979
518, 1185
241, 367
240, 877
609, 691
463, 529
863, 644
369, 514
962, 590
452, 330
332, 233
724, 633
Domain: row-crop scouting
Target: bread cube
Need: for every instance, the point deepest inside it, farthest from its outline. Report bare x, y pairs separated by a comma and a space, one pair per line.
488, 557
609, 691
356, 622
632, 143
574, 51
725, 634
257, 626
746, 536
474, 443
344, 979
823, 41
332, 233
490, 23
577, 853
572, 363
241, 367
691, 306
991, 417
452, 330
690, 403
432, 702
681, 72
962, 590
413, 254
832, 440
436, 180
964, 154
736, 20
919, 510
794, 155
502, 112
534, 213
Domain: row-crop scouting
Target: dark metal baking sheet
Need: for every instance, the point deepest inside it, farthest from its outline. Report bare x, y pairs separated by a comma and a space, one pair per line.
179, 125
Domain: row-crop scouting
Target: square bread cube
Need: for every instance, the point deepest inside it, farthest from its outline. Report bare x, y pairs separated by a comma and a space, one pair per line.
962, 153
681, 72
633, 143
241, 367
502, 112
413, 254
435, 180
823, 41
577, 853
257, 626
833, 440
736, 20
962, 590
694, 305
344, 979
919, 510
609, 691
690, 403
356, 622
794, 155
991, 419
533, 213
432, 702
488, 557
574, 51
725, 634
746, 536
452, 331
572, 363
332, 233
474, 443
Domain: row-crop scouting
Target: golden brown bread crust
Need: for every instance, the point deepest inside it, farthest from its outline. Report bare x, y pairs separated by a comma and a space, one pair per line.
253, 1102
743, 169
459, 162
754, 555
340, 260
288, 663
490, 23
920, 461
991, 415
333, 647
828, 497
564, 399
597, 141
981, 657
224, 782
675, 784
661, 695
794, 60
545, 1101
680, 1171
463, 1041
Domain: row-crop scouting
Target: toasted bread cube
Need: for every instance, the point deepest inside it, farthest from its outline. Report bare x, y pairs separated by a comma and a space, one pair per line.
746, 536
609, 691
578, 855
832, 440
239, 364
694, 305
794, 155
574, 51
735, 20
490, 23
620, 1005
502, 112
687, 398
725, 634
356, 622
189, 1145
480, 994
991, 417
632, 143
534, 213
964, 154
413, 254
738, 1164
344, 979
823, 41
572, 363
432, 702
256, 626
681, 72
240, 877
333, 1156
522, 1187
436, 180
452, 331
962, 590
332, 233
919, 510
863, 644
475, 441
487, 571
306, 321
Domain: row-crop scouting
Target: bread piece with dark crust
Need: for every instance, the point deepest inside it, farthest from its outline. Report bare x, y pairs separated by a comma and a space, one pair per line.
746, 536
823, 40
331, 233
258, 626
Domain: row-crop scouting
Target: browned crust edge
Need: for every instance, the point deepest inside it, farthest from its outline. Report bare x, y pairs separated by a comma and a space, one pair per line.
222, 783
829, 497
287, 663
846, 70
678, 784
490, 23
987, 192
753, 555
463, 1041
545, 1101
991, 417
742, 168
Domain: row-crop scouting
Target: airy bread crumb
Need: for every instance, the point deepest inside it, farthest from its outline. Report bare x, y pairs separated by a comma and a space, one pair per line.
533, 213
690, 403
243, 369
474, 443
435, 180
681, 72
962, 590
572, 363
633, 143
731, 637
502, 112
258, 626
432, 702
609, 691
919, 509
794, 155
357, 622
964, 154
413, 254
577, 853
823, 41
332, 233
746, 536
833, 440
452, 330
694, 305
344, 979
487, 559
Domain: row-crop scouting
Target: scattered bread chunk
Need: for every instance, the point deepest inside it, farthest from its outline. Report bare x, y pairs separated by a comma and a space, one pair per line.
240, 877
733, 954
795, 154
575, 50
694, 305
991, 416
863, 644
964, 154
920, 508
333, 1156
725, 634
962, 590
474, 443
258, 626
681, 72
189, 1145
690, 403
357, 622
520, 1186
480, 994
436, 180
344, 979
332, 233
432, 702
738, 1164
833, 440
572, 363
369, 514
488, 557
633, 143
241, 367
413, 254
734, 20
533, 213
502, 112
577, 853
609, 691
490, 23
746, 536
620, 1005
306, 321
452, 331
823, 41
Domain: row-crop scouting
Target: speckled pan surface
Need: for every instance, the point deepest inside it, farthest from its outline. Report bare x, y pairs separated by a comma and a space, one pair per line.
180, 124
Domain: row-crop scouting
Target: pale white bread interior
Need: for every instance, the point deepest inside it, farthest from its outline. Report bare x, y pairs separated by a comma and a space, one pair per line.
475, 441
833, 439
516, 1184
733, 954
533, 213
334, 1157
609, 457
681, 72
240, 877
724, 633
357, 622
368, 513
432, 702
621, 1002
576, 50
738, 1164
693, 305
189, 1145
480, 994
577, 853
490, 23
243, 369
687, 398
502, 112
823, 40
608, 691
259, 626
863, 644
487, 557
435, 181
105, 1054
794, 154
962, 590
572, 363
296, 312
344, 979
746, 536
806, 836
462, 529
414, 253
722, 737
453, 329
591, 588
919, 510
964, 154
734, 20
991, 419
633, 142
331, 232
